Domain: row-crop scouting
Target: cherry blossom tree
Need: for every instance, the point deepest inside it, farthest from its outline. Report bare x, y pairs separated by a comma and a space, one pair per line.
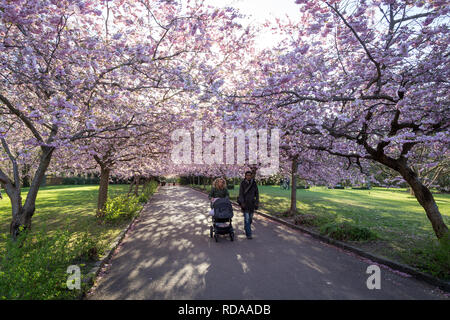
367, 80
40, 82
69, 68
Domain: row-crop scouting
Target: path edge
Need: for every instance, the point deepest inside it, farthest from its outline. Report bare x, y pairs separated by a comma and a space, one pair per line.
90, 277
441, 284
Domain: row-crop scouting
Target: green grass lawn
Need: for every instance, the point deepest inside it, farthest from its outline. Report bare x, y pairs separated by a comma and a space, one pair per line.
71, 206
65, 232
403, 229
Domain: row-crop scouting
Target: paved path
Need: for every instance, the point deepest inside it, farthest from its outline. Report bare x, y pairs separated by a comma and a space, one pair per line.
169, 255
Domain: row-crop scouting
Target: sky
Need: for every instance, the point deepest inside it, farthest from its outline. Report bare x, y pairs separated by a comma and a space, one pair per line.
261, 10
256, 12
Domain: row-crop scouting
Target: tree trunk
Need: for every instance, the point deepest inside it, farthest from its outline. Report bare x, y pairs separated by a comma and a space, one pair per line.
22, 214
131, 185
411, 190
254, 169
136, 189
426, 200
22, 218
25, 175
103, 190
18, 214
293, 209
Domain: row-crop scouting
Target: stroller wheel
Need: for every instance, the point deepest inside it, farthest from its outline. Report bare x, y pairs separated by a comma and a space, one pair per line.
211, 231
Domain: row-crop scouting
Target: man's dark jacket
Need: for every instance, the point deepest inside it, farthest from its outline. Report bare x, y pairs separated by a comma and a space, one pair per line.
248, 197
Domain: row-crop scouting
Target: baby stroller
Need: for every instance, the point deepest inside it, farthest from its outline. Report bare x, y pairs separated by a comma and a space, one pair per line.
221, 220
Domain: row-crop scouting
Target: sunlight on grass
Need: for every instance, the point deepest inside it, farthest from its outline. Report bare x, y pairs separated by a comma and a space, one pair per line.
58, 207
378, 208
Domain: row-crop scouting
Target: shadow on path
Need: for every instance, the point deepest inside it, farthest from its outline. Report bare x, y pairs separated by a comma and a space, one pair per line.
169, 255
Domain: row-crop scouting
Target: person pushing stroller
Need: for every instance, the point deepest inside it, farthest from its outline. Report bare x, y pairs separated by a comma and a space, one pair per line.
218, 190
221, 209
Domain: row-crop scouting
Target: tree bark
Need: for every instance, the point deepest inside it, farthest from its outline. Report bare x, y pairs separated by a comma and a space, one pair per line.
136, 189
17, 209
426, 200
293, 209
131, 185
103, 190
22, 213
25, 175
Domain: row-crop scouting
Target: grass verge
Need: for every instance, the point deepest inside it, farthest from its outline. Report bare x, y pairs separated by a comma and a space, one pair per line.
65, 231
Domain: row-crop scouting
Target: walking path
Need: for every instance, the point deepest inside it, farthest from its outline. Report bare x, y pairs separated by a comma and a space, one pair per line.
169, 255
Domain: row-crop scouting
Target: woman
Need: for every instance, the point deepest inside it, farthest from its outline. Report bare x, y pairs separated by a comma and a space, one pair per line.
218, 190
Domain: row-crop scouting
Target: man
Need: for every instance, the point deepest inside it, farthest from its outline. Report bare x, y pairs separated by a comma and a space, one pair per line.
248, 199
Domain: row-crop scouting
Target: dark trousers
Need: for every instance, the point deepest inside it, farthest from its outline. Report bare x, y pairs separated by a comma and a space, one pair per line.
248, 218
